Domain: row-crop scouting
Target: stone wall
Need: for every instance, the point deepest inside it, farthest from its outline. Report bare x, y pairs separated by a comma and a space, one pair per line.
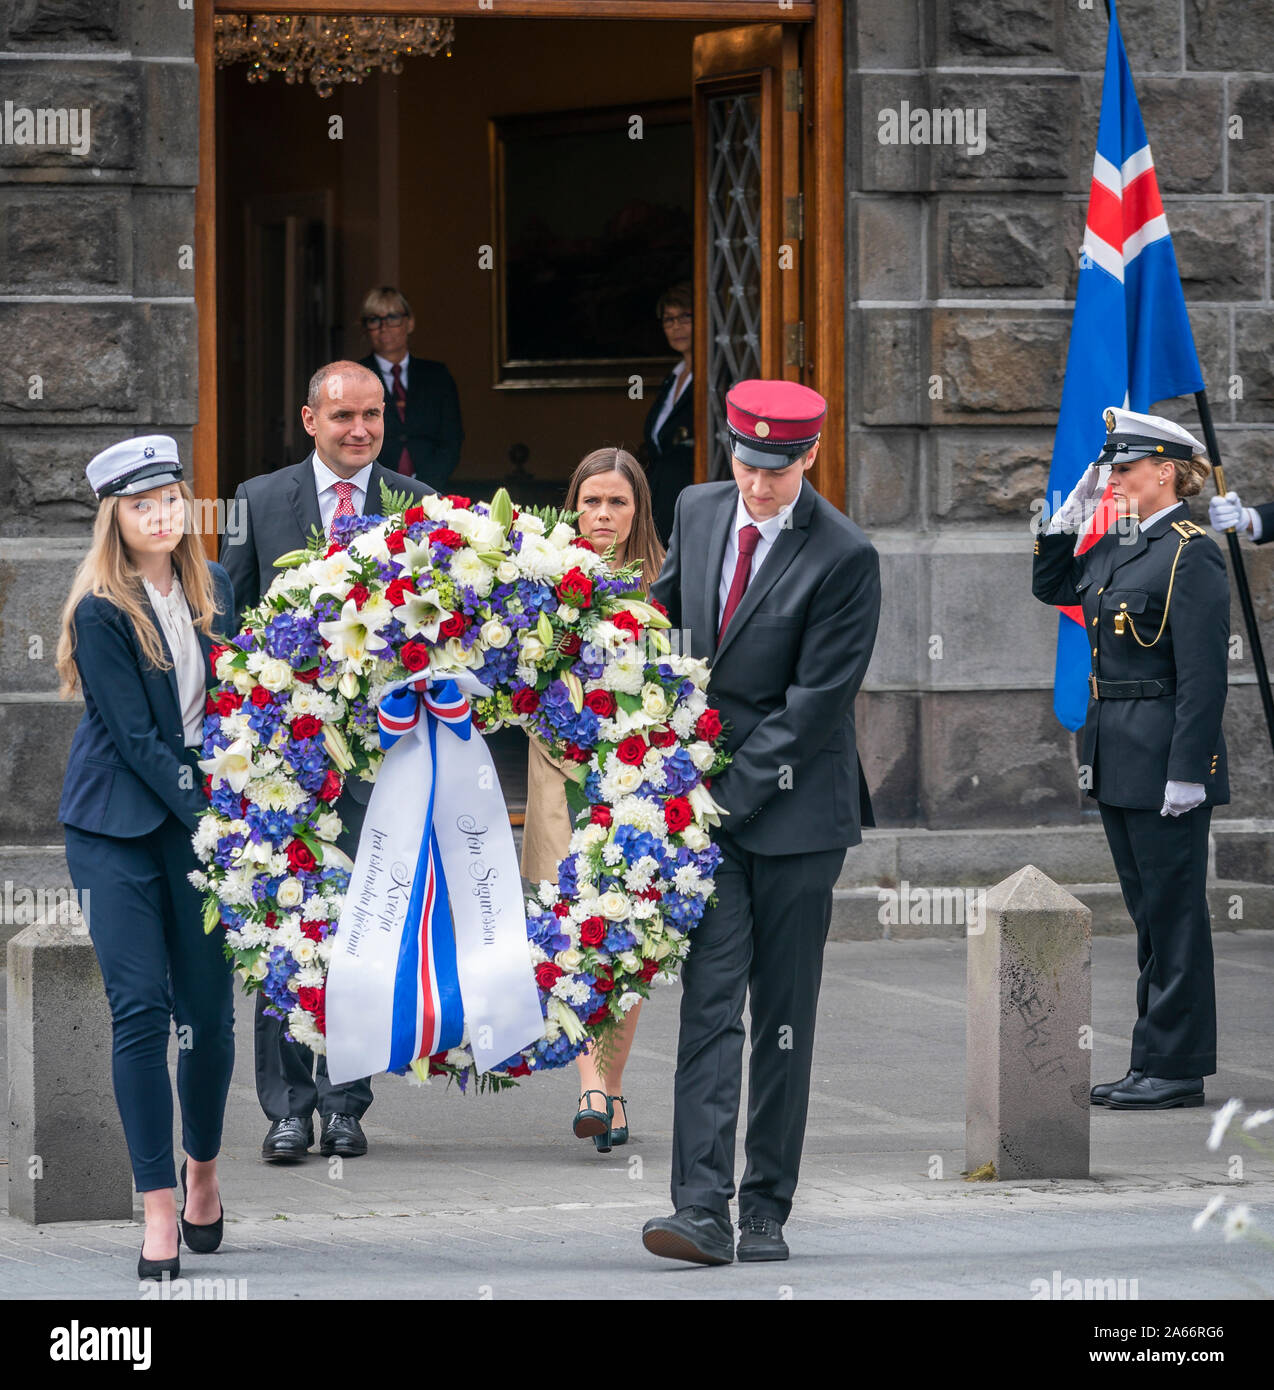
97, 319
962, 270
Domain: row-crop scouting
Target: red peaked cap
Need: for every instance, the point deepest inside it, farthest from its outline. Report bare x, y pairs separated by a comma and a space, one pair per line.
773, 421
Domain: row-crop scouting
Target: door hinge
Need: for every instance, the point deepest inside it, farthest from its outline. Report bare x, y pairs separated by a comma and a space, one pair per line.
794, 217
794, 345
794, 90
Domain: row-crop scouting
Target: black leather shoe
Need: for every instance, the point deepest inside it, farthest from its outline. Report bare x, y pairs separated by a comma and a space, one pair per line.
691, 1233
160, 1269
761, 1238
287, 1140
1157, 1093
203, 1240
1099, 1095
342, 1135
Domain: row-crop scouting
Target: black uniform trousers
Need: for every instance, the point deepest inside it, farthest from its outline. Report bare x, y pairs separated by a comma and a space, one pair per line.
291, 1080
1162, 862
145, 920
765, 937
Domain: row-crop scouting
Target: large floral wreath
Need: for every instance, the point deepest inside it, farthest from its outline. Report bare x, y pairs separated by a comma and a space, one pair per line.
569, 651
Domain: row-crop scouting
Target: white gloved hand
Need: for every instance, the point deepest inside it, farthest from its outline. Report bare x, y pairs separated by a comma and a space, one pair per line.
1075, 513
1180, 797
1226, 512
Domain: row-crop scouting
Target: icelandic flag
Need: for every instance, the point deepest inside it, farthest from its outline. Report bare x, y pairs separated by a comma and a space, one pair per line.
1130, 342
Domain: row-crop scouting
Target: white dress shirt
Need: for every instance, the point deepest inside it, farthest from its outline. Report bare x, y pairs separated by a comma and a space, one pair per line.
188, 665
387, 371
679, 388
1177, 512
769, 530
325, 485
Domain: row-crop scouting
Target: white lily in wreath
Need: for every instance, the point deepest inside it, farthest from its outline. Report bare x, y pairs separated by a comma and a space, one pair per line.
422, 614
354, 634
232, 764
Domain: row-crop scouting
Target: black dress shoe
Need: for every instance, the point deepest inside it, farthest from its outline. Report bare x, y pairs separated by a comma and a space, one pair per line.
203, 1240
761, 1238
1099, 1095
342, 1135
691, 1233
159, 1269
1157, 1093
287, 1140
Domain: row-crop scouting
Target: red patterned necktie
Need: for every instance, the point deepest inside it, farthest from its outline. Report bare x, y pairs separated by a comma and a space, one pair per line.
344, 501
400, 400
748, 538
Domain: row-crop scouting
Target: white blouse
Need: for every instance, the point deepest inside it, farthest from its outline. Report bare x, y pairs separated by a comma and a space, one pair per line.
183, 643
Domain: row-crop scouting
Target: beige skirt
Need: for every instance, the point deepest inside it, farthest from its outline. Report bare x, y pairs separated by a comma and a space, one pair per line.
546, 833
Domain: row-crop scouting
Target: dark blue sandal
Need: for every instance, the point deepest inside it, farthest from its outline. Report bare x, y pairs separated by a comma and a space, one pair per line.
619, 1133
590, 1123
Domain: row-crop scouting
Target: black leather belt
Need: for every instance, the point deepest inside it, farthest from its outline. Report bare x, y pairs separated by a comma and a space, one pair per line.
1131, 690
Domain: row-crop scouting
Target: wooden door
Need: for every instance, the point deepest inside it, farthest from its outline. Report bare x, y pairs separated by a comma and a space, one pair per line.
750, 317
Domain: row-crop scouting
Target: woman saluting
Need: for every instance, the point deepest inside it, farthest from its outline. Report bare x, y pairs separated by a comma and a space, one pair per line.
137, 635
1156, 608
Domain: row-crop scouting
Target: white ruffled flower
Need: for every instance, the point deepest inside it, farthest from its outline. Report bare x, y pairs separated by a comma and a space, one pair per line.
682, 722
371, 544
470, 571
567, 613
291, 893
309, 976
495, 634
529, 524
693, 837
328, 825
303, 950
539, 560
562, 535
506, 571
701, 755
612, 855
628, 1000
687, 881
275, 675
242, 682
625, 671
303, 1028
654, 700
548, 892
532, 649
639, 813
619, 779
614, 905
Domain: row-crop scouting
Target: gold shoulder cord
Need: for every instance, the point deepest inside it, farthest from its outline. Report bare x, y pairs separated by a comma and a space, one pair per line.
1181, 545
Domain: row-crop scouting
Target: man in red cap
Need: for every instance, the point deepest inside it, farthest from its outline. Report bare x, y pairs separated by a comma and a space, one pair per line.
781, 592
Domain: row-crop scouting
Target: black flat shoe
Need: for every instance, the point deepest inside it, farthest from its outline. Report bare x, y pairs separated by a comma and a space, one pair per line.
287, 1140
1099, 1095
691, 1233
158, 1269
342, 1135
1157, 1093
761, 1238
202, 1240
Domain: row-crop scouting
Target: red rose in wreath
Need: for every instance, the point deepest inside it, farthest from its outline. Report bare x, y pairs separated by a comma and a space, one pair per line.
413, 515
414, 656
331, 787
309, 676
627, 622
592, 931
649, 969
632, 750
300, 857
462, 503
708, 725
396, 541
306, 726
661, 738
397, 590
525, 701
575, 589
453, 540
600, 815
677, 814
547, 974
601, 702
260, 696
453, 626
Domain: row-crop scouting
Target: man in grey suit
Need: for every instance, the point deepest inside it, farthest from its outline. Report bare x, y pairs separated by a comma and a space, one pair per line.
781, 592
274, 513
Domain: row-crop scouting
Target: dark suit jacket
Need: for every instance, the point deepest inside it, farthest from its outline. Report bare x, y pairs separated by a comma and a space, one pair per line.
274, 513
1136, 746
1265, 510
785, 676
129, 767
432, 430
669, 456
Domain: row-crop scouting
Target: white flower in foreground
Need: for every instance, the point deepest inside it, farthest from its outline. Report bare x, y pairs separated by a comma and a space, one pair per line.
232, 764
706, 809
372, 544
1258, 1118
331, 576
1237, 1222
422, 614
351, 636
1214, 1205
1221, 1122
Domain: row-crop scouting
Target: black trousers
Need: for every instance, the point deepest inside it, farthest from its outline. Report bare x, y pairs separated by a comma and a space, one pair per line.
764, 938
146, 924
1162, 862
291, 1080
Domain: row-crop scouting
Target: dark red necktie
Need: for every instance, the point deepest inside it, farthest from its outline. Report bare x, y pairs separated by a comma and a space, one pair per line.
748, 538
400, 400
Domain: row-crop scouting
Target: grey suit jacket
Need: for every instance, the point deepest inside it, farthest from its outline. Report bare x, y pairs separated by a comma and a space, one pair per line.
274, 513
785, 676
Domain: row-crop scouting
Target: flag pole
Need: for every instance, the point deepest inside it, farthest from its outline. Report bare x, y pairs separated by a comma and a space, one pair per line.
1240, 570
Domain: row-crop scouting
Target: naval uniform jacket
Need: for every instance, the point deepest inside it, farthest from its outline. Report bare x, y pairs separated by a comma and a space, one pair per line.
786, 673
1137, 745
670, 453
431, 429
1265, 510
129, 767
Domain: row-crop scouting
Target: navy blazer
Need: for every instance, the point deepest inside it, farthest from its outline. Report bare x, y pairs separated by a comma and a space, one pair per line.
129, 767
431, 430
669, 456
786, 673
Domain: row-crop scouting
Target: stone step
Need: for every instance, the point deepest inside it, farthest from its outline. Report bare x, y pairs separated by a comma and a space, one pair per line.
35, 575
874, 914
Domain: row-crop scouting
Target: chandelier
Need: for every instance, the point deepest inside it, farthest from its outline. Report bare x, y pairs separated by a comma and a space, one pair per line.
331, 48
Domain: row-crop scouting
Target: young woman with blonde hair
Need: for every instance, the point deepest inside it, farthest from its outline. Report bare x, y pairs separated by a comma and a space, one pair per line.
609, 491
137, 636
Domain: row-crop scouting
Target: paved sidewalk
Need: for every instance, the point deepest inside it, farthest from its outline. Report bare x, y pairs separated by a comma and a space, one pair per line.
491, 1197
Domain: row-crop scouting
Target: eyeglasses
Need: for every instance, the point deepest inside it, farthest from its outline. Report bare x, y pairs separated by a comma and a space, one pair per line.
669, 320
371, 321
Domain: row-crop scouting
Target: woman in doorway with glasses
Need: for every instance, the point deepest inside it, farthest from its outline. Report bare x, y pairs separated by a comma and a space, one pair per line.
608, 490
669, 448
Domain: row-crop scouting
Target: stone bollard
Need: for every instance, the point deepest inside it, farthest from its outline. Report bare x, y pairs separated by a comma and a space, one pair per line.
67, 1157
1029, 1058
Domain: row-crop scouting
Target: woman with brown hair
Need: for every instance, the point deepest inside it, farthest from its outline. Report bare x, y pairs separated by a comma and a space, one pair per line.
608, 489
137, 635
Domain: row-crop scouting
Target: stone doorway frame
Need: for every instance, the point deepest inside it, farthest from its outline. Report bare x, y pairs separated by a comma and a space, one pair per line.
824, 150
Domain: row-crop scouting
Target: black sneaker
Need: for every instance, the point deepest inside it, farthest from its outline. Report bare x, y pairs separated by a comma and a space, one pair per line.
287, 1140
761, 1238
690, 1233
